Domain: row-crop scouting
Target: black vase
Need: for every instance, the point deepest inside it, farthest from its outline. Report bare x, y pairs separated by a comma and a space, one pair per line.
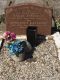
32, 35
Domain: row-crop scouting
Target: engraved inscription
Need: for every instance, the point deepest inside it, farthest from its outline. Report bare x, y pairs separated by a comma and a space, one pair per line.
20, 17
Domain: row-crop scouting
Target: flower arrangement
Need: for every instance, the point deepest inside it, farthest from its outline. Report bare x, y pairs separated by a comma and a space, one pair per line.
9, 36
15, 46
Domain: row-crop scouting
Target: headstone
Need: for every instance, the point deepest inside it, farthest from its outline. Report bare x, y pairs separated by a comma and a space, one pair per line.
19, 17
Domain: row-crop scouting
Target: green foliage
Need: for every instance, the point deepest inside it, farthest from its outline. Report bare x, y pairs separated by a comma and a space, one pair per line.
58, 24
2, 18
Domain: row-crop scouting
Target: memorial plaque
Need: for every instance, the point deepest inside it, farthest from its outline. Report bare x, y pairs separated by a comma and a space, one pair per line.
19, 17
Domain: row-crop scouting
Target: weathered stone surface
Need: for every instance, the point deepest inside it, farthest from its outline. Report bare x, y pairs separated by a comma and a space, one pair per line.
19, 17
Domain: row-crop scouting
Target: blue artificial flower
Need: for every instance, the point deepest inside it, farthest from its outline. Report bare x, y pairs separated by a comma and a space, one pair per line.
15, 47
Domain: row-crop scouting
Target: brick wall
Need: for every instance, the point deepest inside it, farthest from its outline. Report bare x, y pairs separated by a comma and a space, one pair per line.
19, 17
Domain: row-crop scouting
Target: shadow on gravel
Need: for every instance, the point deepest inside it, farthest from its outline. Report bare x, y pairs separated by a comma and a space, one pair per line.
29, 55
40, 39
53, 30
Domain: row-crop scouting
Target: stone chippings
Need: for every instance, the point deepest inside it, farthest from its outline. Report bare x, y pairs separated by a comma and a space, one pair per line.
44, 65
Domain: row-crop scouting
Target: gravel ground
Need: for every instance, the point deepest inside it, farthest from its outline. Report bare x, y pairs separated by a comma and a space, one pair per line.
44, 65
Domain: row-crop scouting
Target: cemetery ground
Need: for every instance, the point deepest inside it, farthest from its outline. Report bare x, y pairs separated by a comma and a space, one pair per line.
44, 65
